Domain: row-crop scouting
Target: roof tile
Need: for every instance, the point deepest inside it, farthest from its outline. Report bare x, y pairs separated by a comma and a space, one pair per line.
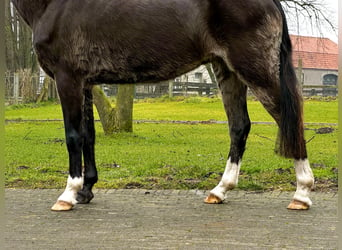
315, 52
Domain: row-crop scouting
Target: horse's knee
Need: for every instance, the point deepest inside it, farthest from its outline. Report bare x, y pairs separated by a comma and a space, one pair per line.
74, 140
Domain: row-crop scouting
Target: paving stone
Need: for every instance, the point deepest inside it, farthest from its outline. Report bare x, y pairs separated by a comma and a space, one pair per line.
169, 219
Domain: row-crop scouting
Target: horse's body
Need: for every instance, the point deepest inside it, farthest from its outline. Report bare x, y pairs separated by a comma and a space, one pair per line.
83, 42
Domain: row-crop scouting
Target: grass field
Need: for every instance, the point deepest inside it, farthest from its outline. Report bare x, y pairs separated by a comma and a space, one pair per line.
167, 155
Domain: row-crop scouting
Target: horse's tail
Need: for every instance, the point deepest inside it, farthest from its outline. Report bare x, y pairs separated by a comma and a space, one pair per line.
291, 136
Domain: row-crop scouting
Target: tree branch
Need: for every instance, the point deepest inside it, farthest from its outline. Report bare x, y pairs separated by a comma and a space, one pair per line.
313, 11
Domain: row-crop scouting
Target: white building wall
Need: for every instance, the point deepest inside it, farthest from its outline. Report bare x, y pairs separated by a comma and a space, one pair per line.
193, 76
315, 76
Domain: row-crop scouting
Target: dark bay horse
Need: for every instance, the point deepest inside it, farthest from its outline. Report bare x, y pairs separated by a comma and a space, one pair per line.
80, 43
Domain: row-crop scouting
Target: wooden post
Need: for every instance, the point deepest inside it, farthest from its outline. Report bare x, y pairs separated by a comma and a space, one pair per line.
16, 87
44, 92
300, 73
170, 88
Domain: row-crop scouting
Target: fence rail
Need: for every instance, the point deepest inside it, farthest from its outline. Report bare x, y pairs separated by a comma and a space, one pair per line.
320, 90
173, 88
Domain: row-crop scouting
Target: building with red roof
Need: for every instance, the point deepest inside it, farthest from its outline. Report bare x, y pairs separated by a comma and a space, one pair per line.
319, 59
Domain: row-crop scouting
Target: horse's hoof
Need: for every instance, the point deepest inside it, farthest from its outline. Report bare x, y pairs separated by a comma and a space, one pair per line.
297, 205
212, 199
62, 206
84, 197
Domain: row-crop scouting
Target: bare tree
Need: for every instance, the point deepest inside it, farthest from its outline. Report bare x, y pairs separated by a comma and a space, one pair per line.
19, 49
314, 13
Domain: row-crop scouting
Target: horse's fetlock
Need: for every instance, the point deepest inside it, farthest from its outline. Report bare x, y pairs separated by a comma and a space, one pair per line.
307, 182
229, 184
90, 180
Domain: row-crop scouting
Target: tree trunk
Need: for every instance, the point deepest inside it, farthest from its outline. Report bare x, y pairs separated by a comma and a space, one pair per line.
124, 107
119, 118
211, 73
44, 92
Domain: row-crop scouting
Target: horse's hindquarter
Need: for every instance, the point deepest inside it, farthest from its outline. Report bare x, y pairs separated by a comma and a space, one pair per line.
125, 41
250, 32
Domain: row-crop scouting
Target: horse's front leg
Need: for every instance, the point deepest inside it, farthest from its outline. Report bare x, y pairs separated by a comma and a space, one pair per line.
71, 96
234, 100
90, 173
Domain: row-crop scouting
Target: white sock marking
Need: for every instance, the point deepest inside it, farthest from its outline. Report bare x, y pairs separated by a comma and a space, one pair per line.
305, 181
229, 179
70, 192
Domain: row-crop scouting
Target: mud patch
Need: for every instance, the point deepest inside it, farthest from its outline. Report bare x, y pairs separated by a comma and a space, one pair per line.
22, 167
318, 165
324, 130
133, 185
55, 140
283, 171
329, 185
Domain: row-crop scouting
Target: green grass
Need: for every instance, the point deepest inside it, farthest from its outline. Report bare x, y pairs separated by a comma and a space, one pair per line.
166, 155
192, 109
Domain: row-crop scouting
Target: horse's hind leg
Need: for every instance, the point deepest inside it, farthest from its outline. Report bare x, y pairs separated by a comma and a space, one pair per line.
279, 94
262, 60
305, 180
71, 97
277, 90
90, 172
234, 99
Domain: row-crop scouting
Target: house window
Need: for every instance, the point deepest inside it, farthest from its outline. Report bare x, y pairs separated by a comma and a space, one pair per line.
198, 76
330, 80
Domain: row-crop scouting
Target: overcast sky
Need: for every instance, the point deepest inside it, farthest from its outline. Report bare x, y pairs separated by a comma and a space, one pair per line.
307, 28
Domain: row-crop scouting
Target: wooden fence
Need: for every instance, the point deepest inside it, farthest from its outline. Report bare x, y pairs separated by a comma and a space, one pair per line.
173, 88
320, 90
26, 87
23, 87
205, 89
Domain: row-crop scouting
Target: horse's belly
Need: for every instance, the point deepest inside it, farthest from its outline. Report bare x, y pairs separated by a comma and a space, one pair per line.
146, 71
